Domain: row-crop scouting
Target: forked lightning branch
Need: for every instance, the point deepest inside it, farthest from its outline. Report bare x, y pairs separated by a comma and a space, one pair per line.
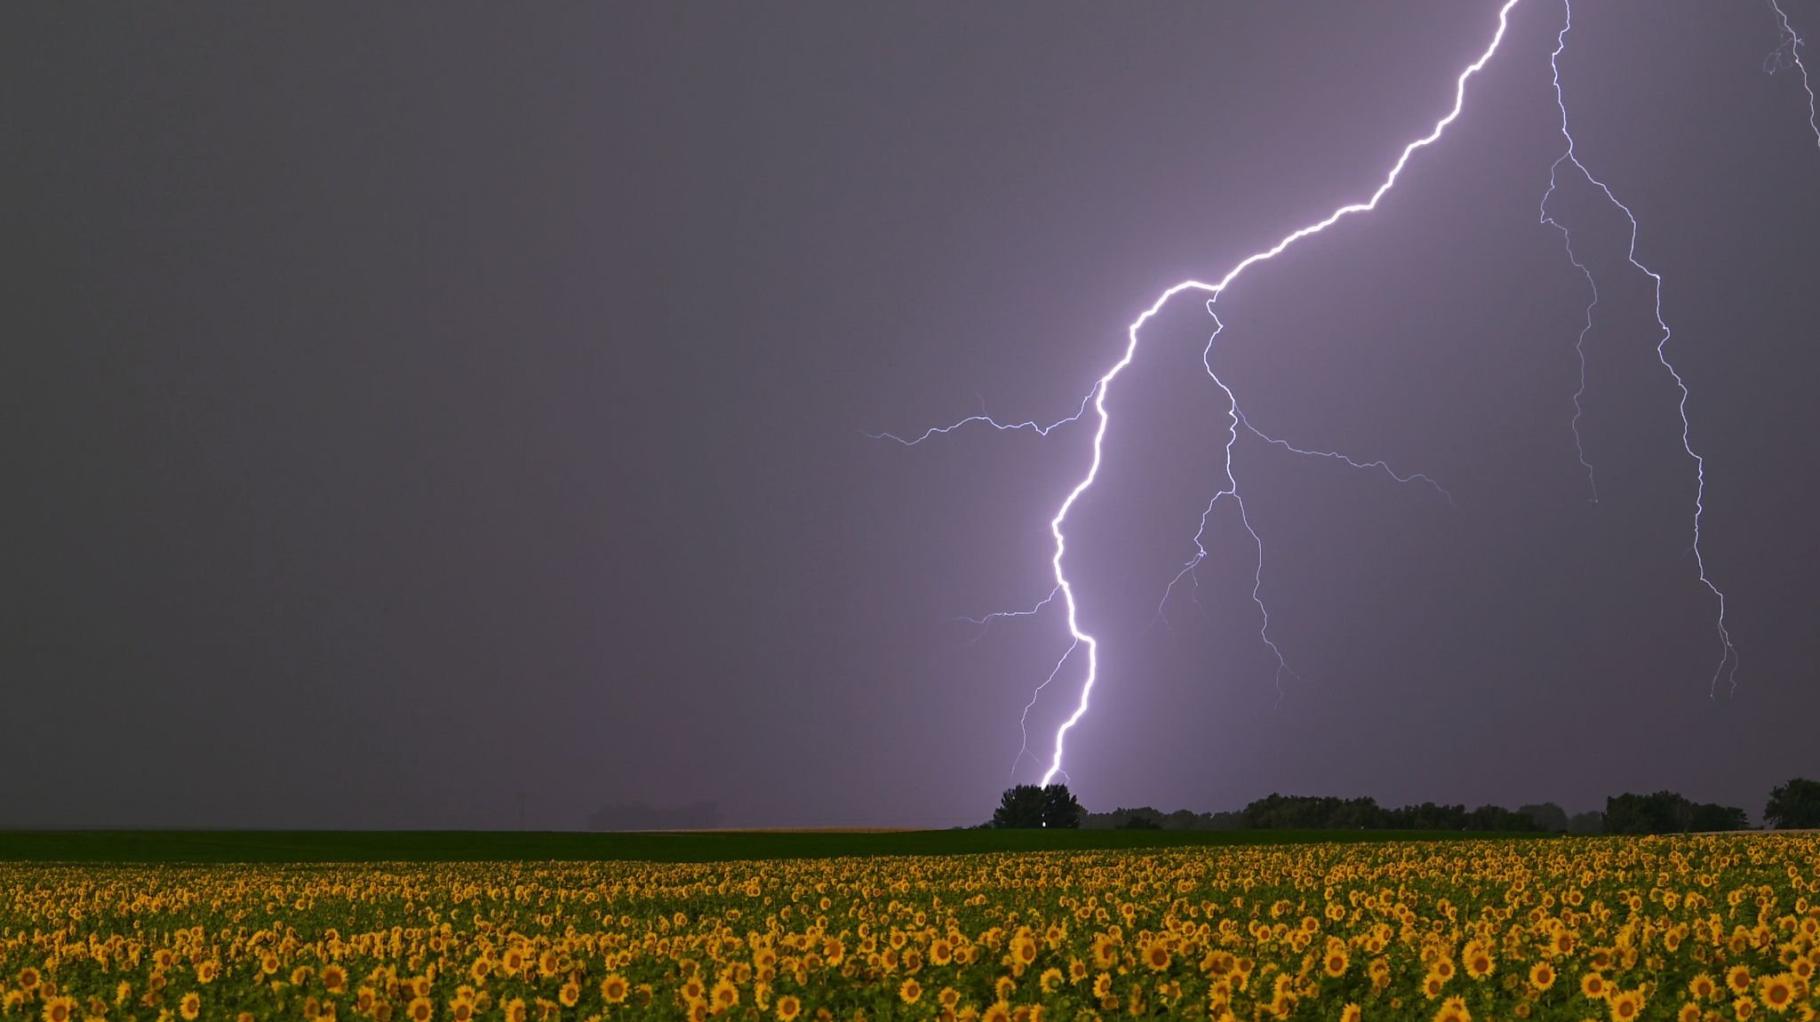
1082, 650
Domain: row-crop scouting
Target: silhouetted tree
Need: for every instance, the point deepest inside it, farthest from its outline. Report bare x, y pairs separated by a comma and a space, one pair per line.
1356, 814
1121, 819
1712, 816
1305, 812
1429, 816
1546, 816
1021, 807
1185, 819
1663, 812
1795, 804
1060, 808
1498, 818
1666, 812
1029, 806
1591, 822
1311, 812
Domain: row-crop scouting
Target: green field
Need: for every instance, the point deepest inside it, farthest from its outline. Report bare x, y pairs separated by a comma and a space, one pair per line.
697, 846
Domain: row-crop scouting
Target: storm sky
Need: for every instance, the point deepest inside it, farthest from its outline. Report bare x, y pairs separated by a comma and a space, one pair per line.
456, 415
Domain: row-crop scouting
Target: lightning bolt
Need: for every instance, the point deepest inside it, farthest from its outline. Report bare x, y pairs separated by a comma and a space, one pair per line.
1787, 55
1728, 653
1095, 400
1213, 292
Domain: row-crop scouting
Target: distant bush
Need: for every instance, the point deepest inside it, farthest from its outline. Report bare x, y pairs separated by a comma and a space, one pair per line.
1592, 822
1146, 818
1302, 812
1794, 805
1667, 812
1547, 816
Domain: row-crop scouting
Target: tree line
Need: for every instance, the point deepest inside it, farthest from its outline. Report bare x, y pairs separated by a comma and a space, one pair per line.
1795, 804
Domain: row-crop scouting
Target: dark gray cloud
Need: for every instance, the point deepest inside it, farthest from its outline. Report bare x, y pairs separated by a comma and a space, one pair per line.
414, 414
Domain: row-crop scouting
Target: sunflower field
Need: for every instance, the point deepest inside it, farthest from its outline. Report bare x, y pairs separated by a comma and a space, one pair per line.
1704, 927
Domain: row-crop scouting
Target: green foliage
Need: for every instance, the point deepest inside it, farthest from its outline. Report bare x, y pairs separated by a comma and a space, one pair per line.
1019, 808
1148, 818
1586, 824
1794, 805
1061, 811
1546, 816
1666, 812
1302, 811
1028, 806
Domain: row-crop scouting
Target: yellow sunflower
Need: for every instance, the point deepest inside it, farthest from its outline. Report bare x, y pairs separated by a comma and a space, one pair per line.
613, 988
1541, 976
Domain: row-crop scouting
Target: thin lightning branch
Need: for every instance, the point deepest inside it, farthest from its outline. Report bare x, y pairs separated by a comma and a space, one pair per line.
1232, 490
1039, 605
1257, 585
1787, 55
1232, 483
1728, 653
986, 619
1023, 722
1213, 292
1033, 426
1413, 477
1232, 486
1592, 286
1257, 581
1194, 560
